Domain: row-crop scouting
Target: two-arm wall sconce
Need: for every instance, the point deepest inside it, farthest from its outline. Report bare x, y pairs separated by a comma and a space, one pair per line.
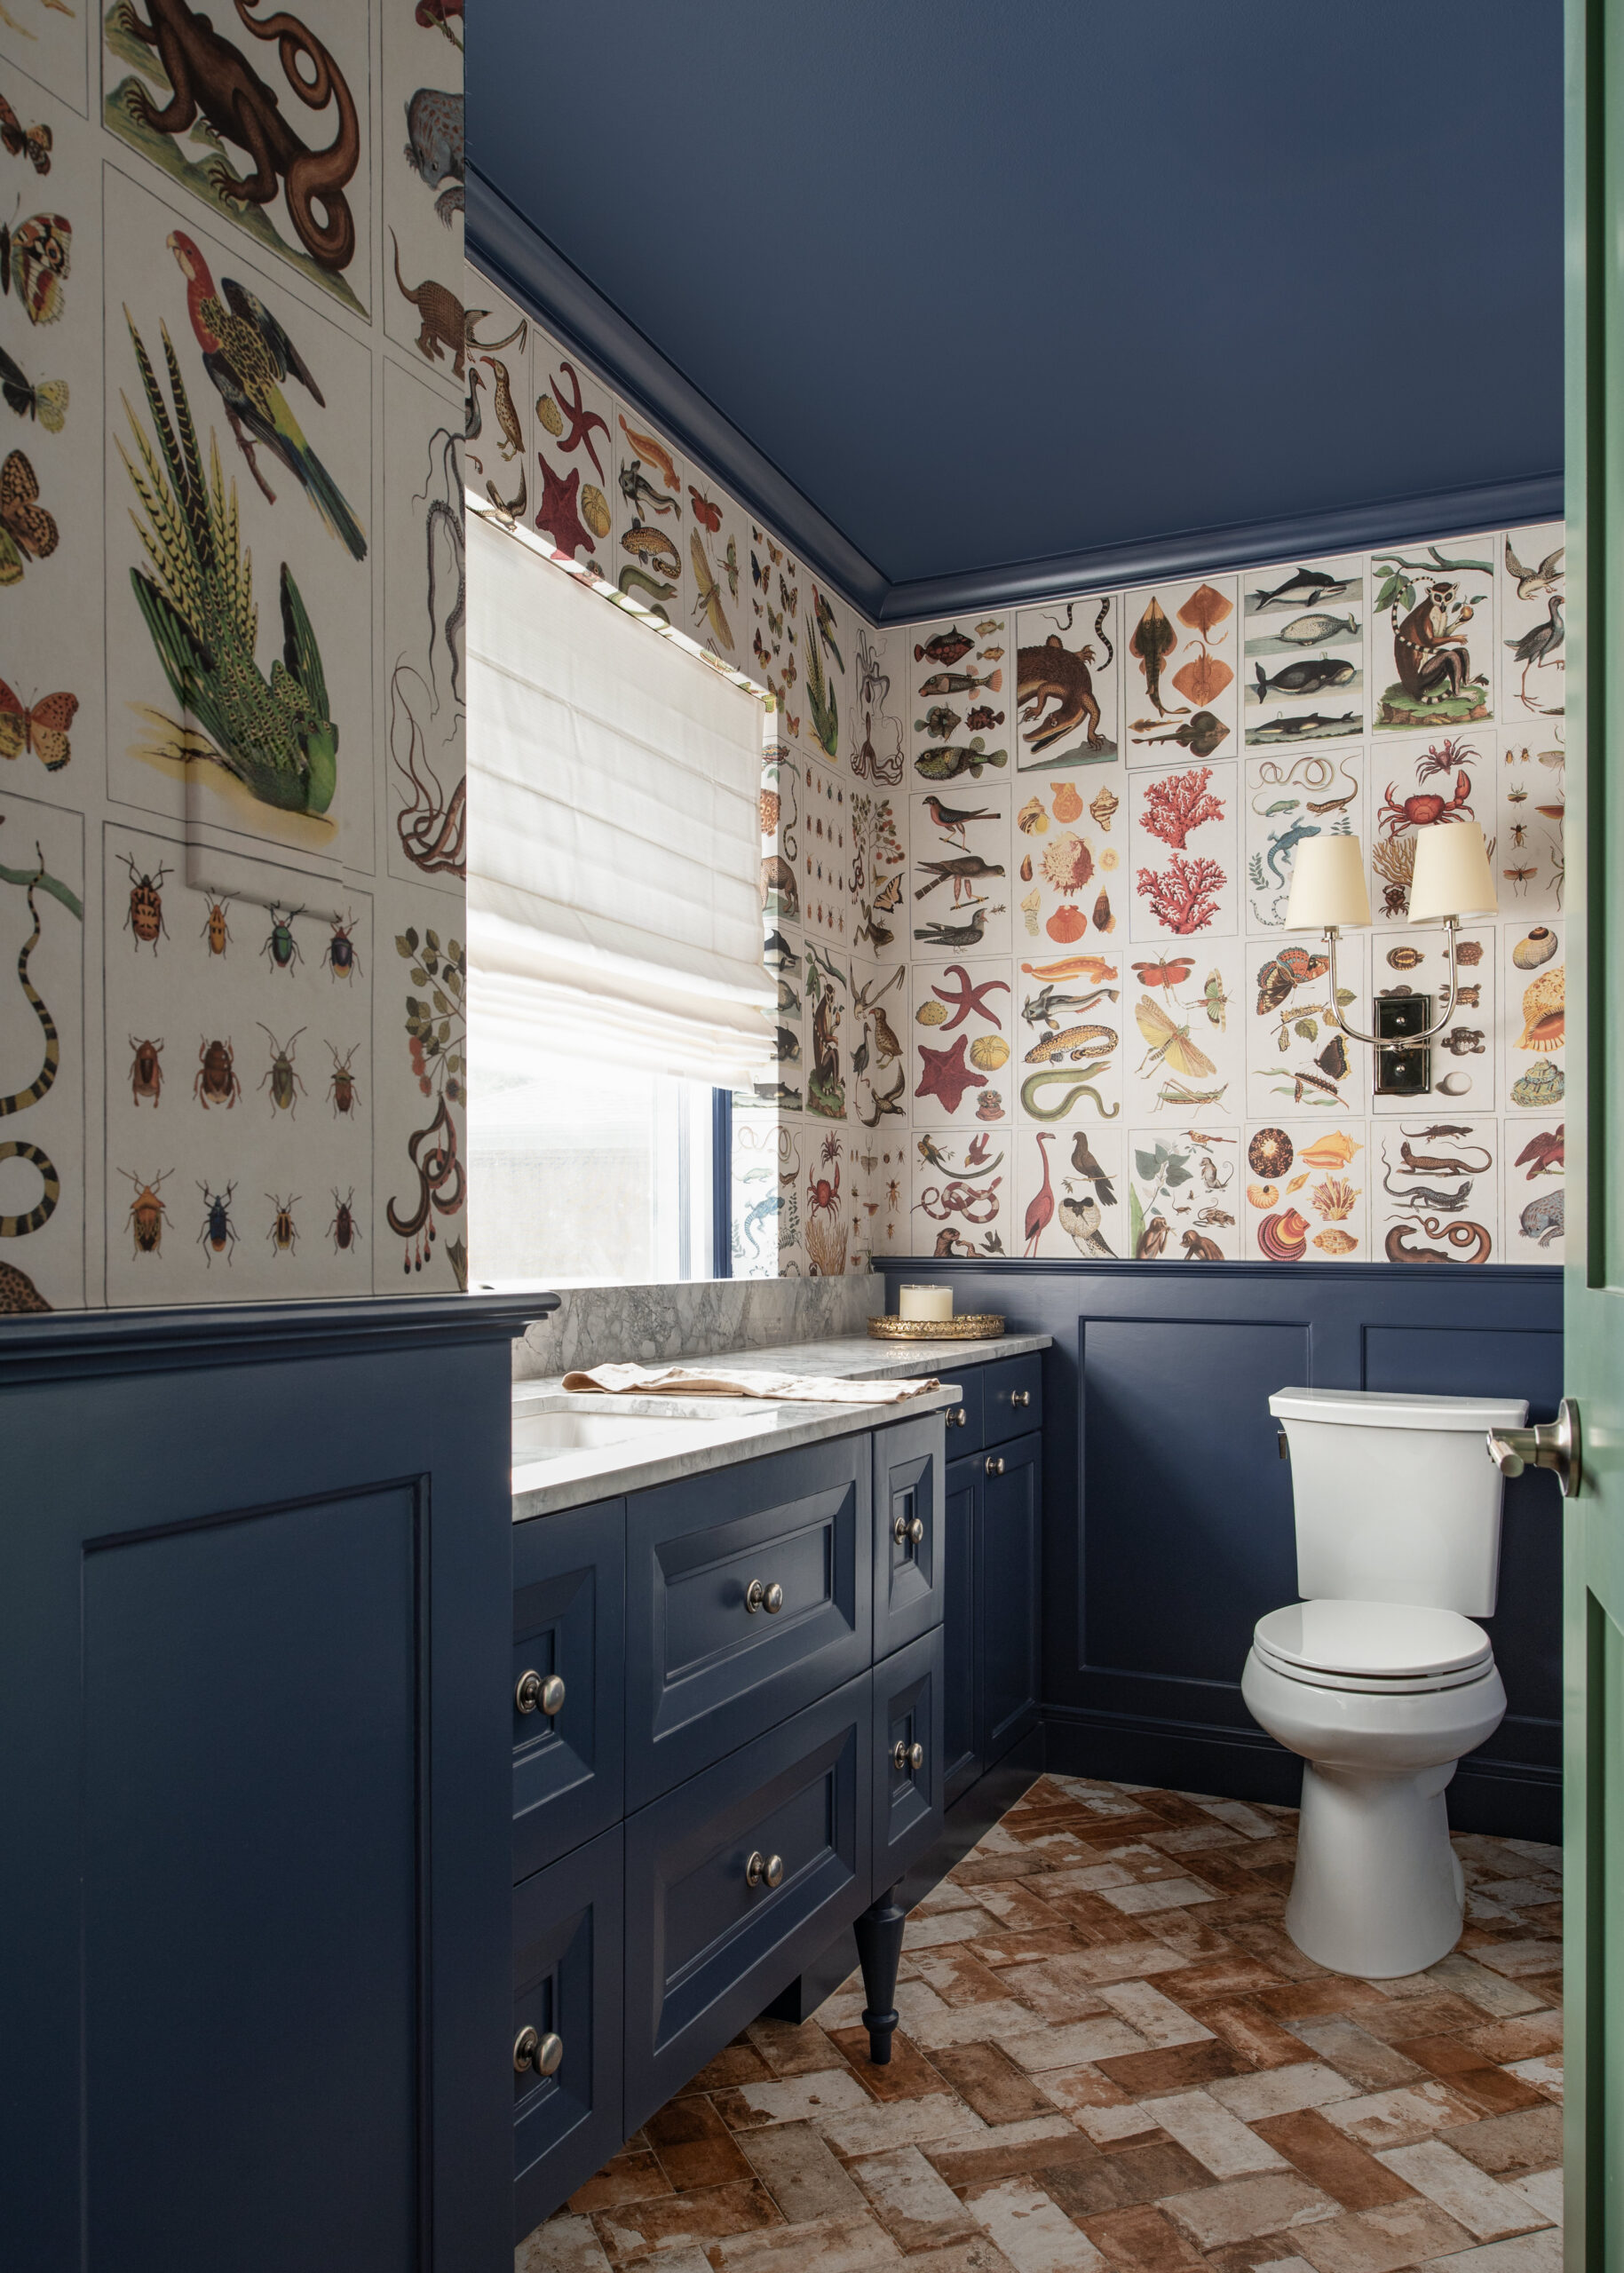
1452, 882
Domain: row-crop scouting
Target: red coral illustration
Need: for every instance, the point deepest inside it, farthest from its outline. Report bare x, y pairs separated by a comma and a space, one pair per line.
1184, 896
1183, 801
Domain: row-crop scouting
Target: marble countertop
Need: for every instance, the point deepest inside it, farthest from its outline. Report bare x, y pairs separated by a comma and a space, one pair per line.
685, 1438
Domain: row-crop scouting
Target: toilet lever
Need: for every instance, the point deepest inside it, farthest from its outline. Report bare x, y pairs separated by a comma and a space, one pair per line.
1552, 1443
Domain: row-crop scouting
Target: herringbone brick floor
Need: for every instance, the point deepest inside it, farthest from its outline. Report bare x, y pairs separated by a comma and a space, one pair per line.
1112, 2060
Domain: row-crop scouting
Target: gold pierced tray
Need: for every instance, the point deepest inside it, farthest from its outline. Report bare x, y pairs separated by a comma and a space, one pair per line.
985, 1327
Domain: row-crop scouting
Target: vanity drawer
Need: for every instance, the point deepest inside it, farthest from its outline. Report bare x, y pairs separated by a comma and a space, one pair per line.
1011, 1398
710, 1948
705, 1669
569, 1632
963, 1420
908, 1465
909, 1756
568, 1930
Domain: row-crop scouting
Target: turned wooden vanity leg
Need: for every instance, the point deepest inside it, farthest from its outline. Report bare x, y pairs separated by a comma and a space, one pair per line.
879, 1952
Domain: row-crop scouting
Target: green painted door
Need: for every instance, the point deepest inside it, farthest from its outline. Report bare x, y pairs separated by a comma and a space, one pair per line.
1594, 1522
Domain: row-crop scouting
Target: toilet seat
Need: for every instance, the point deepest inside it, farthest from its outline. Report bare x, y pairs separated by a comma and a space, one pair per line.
1379, 1648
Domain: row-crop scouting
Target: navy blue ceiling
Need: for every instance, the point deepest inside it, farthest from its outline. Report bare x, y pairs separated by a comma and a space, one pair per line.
990, 283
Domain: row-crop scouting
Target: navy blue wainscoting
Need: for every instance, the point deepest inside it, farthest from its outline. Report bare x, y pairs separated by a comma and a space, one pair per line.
1167, 1509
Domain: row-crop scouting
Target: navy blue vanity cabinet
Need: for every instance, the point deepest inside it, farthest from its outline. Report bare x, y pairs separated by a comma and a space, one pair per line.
738, 1877
1007, 1564
908, 1756
748, 1592
568, 1680
962, 1421
256, 1575
961, 1626
568, 1937
908, 1531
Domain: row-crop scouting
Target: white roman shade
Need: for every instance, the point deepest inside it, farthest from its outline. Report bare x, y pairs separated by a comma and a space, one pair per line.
614, 833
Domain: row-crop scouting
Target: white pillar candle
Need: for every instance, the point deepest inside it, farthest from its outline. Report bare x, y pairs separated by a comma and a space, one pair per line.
934, 1303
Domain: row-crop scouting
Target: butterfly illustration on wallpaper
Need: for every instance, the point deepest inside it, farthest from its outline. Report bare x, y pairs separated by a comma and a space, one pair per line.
25, 525
47, 402
34, 260
30, 142
39, 726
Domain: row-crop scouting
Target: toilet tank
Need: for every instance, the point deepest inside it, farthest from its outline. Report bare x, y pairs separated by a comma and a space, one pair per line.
1396, 1498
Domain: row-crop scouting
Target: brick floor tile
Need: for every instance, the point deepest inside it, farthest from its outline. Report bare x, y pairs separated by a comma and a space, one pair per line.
1434, 2012
1194, 1934
1397, 2118
1248, 2030
979, 2254
566, 2244
1169, 2070
1543, 2190
694, 2145
707, 2213
1137, 2174
1156, 1893
1511, 2146
1128, 1954
1159, 2020
1236, 1974
795, 2164
1489, 2211
1191, 1838
946, 1926
851, 2244
1141, 2240
927, 2123
1331, 1993
1269, 1940
1066, 2043
959, 1976
987, 2079
1347, 2172
1219, 2142
1490, 1992
1058, 1988
791, 2048
739, 2063
1543, 2071
1524, 2039
1083, 2086
907, 2075
1114, 2127
1363, 2058
782, 2099
961, 2165
1540, 2252
1494, 2091
1280, 2091
627, 2177
1240, 2208
1016, 1945
1380, 2240
916, 2206
1031, 2228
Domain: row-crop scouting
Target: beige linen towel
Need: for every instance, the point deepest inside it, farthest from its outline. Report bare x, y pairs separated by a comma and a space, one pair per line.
786, 1389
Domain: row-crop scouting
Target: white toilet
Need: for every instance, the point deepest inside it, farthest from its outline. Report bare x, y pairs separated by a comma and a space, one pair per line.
1378, 1678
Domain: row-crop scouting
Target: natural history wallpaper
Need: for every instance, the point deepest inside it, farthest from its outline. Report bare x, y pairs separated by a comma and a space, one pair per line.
232, 351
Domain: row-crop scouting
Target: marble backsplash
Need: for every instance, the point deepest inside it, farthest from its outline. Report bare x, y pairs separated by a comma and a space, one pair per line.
596, 1325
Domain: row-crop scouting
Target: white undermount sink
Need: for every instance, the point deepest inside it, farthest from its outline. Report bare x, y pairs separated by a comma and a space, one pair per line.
559, 1427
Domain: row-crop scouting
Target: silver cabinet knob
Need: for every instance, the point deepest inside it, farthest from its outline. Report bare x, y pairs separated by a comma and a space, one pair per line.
760, 1596
1552, 1443
907, 1533
764, 1870
995, 1464
534, 1691
908, 1755
956, 1417
545, 2053
1021, 1398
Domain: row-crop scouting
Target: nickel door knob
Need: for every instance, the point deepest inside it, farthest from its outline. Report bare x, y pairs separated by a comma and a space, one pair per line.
764, 1870
908, 1755
907, 1533
531, 2050
534, 1691
760, 1596
957, 1418
1020, 1397
995, 1464
1551, 1444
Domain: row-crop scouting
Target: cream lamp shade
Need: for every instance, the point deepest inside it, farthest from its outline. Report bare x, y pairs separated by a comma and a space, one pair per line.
1327, 886
1452, 876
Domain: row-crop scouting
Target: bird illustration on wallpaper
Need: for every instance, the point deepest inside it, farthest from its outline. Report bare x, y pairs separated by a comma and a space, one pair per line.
248, 353
215, 95
1429, 614
826, 1089
272, 734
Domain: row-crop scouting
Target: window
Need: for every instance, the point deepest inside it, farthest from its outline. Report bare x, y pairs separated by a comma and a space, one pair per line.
615, 981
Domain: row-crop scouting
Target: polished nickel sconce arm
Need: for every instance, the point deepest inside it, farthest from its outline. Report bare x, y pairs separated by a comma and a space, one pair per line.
1452, 924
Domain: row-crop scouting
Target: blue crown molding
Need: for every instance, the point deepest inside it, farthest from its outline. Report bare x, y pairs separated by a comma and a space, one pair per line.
1348, 529
516, 258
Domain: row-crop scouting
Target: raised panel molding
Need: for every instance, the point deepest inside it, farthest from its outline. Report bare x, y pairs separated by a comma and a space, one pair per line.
1125, 1588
